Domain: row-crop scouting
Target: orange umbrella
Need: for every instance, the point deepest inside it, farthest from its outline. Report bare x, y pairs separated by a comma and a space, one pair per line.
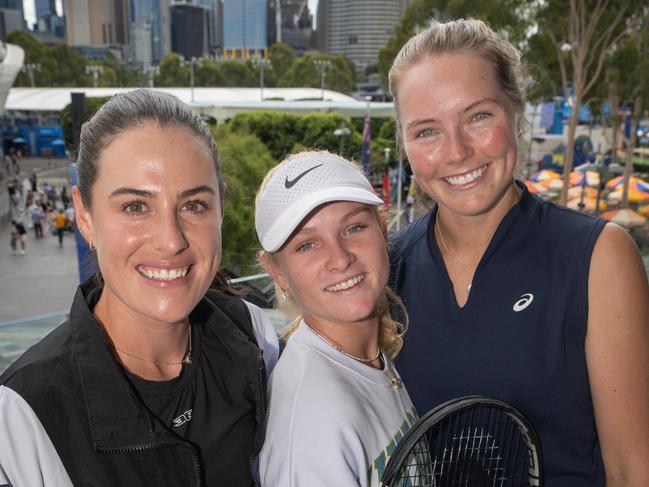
625, 217
543, 175
552, 184
644, 210
589, 204
535, 187
634, 181
635, 196
584, 178
575, 192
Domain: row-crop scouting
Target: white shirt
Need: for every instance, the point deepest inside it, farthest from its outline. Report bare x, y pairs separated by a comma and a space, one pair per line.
332, 419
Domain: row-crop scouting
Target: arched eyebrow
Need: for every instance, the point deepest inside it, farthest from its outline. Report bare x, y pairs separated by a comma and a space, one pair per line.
188, 193
132, 191
470, 107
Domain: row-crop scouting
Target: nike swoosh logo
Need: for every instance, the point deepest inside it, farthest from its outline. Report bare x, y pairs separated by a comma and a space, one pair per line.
288, 184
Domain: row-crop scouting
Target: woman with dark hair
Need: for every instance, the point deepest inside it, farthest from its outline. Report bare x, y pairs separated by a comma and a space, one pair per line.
508, 295
155, 379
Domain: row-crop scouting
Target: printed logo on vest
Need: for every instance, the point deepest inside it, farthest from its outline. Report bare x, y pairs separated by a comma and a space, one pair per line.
183, 418
524, 301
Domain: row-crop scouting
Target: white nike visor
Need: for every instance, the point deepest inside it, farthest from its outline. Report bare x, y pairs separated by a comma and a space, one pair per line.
298, 185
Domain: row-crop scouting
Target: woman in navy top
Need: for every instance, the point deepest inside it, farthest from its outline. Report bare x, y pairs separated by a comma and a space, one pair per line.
510, 296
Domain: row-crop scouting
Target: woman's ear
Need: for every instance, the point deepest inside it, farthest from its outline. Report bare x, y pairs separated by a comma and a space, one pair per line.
82, 217
267, 261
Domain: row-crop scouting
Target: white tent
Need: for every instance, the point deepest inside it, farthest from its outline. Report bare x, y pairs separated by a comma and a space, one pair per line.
220, 103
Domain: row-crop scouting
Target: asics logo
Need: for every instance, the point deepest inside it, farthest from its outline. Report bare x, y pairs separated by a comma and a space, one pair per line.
289, 183
524, 301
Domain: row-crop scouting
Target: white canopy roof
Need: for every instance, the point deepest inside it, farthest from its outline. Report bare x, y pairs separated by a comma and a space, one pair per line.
220, 103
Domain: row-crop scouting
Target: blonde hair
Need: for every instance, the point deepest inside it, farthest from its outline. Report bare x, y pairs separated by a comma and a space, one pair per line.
391, 331
468, 36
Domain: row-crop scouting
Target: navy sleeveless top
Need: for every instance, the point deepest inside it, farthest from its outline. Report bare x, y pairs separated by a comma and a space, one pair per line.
520, 336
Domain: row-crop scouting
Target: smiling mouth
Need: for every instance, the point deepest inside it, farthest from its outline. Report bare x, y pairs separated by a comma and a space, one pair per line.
466, 178
349, 283
163, 274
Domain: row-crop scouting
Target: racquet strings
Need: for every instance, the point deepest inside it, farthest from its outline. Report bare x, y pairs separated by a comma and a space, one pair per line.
475, 447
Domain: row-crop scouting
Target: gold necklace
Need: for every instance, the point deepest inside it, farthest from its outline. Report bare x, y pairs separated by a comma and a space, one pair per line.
335, 347
187, 358
450, 253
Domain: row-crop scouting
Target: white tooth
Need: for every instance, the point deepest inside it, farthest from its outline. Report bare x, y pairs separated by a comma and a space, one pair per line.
164, 274
173, 274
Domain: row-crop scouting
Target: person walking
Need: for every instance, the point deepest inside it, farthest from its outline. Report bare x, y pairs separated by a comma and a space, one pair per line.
21, 235
59, 224
37, 218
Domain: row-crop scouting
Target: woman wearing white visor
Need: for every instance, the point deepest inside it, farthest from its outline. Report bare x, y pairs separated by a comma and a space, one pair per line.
337, 404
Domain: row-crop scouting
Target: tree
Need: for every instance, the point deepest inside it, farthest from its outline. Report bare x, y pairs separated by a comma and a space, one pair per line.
286, 133
245, 162
172, 71
629, 66
35, 53
281, 57
236, 74
303, 72
208, 73
581, 41
500, 14
69, 137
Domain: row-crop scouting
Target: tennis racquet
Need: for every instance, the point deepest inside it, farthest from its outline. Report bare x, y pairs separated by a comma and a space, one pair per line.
471, 441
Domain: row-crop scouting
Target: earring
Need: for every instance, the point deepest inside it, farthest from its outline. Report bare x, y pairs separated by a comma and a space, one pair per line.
520, 132
283, 295
92, 246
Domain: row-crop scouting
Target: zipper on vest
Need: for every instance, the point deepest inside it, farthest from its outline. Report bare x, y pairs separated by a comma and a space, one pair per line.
261, 394
198, 468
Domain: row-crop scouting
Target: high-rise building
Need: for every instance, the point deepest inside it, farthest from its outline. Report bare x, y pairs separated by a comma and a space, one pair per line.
245, 28
189, 30
11, 16
151, 16
96, 22
295, 24
357, 29
214, 9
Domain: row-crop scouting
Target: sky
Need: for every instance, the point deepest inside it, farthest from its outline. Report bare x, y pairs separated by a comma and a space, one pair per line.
313, 8
29, 10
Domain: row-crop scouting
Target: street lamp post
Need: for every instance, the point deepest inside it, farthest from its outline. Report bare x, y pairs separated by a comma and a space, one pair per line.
29, 68
261, 63
191, 62
342, 132
322, 65
95, 71
150, 72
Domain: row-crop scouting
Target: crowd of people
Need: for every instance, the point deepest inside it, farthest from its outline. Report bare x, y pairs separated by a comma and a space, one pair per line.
164, 375
44, 209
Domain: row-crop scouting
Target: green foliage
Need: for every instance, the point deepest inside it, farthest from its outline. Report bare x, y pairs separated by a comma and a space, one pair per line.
71, 138
172, 71
303, 72
208, 73
61, 65
245, 162
236, 73
281, 57
500, 14
286, 133
275, 129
